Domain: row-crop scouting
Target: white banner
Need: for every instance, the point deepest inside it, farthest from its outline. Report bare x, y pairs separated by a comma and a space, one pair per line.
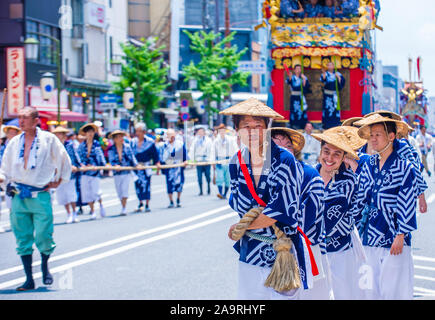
16, 79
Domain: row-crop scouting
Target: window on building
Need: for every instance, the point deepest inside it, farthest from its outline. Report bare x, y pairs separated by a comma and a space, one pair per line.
44, 34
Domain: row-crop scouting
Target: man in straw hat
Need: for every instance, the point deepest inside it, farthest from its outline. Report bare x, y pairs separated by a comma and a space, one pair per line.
268, 205
387, 210
200, 151
121, 155
403, 149
223, 148
66, 192
33, 162
174, 153
342, 243
310, 213
10, 132
145, 150
91, 155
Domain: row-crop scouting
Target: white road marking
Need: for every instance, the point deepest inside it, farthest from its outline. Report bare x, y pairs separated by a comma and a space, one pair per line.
120, 239
106, 204
428, 291
120, 249
421, 258
424, 278
424, 268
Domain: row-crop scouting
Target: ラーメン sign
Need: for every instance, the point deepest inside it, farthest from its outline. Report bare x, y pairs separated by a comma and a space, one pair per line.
16, 78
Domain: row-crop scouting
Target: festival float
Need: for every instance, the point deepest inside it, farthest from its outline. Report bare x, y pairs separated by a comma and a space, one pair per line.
413, 99
313, 43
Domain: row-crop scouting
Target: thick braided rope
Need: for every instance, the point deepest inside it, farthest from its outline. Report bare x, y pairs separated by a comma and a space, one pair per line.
284, 275
245, 222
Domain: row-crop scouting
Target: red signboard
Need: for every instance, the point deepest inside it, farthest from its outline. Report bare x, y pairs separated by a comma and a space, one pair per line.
16, 79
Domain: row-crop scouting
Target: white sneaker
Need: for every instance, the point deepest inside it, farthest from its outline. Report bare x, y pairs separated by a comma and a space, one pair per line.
102, 212
70, 219
93, 216
2, 229
75, 218
123, 212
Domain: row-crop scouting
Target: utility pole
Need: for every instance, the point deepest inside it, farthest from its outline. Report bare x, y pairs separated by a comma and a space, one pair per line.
217, 18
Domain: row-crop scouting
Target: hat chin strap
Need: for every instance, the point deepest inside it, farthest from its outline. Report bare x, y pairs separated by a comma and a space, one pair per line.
383, 150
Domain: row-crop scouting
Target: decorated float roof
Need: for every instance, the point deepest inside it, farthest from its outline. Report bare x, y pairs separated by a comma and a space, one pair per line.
315, 39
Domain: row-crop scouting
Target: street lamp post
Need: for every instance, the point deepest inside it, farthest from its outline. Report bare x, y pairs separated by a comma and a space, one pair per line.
32, 45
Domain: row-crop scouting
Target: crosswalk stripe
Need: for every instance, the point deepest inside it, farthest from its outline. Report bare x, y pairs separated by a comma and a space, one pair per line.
121, 239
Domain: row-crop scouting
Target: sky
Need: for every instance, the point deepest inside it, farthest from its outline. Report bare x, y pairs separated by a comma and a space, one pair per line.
409, 32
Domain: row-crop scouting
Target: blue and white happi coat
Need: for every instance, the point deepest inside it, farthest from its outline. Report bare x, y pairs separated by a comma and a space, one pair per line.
73, 155
340, 197
405, 151
145, 153
330, 113
312, 204
386, 202
313, 11
173, 154
298, 113
95, 157
128, 158
280, 188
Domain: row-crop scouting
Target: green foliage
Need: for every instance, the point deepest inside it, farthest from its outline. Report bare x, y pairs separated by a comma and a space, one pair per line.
216, 71
145, 73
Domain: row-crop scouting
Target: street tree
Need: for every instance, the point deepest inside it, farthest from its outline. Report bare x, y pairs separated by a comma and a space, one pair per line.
145, 72
216, 72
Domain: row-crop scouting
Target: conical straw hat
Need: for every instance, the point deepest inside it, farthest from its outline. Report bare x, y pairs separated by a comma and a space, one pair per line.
351, 121
114, 133
297, 138
340, 137
252, 107
93, 125
364, 131
6, 128
356, 141
60, 130
385, 113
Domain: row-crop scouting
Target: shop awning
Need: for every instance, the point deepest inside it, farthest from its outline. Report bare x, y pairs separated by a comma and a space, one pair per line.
65, 114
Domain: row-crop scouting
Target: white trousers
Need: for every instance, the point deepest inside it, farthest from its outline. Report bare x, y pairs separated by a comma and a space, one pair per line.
322, 283
122, 183
66, 193
251, 285
345, 266
392, 275
90, 188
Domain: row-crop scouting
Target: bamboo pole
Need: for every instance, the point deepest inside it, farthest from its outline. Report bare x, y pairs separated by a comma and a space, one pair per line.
165, 166
5, 90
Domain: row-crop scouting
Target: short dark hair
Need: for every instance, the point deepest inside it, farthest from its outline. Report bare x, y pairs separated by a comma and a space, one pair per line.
276, 133
237, 118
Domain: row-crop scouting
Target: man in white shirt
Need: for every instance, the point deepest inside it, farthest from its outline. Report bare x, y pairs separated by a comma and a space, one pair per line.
200, 151
311, 150
224, 147
34, 162
425, 143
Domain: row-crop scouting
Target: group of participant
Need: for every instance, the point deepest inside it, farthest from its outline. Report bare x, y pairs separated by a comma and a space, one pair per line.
348, 219
340, 229
317, 9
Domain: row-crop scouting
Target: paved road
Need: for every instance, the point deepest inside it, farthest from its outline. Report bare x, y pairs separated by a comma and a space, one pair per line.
181, 253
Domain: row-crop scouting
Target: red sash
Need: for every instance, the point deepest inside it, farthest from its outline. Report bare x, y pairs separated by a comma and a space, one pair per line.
254, 194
